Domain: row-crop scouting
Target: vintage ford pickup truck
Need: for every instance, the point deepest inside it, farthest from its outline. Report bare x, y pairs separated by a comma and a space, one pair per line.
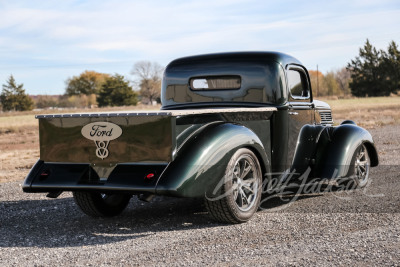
229, 123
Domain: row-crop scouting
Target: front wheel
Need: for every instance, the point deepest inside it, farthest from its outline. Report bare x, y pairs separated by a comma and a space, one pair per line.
239, 196
101, 205
358, 174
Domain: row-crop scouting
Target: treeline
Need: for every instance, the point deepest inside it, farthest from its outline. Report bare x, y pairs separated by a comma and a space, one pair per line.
91, 89
372, 73
333, 83
375, 72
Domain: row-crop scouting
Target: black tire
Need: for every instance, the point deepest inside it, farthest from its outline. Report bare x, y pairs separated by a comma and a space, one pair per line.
97, 204
358, 175
239, 196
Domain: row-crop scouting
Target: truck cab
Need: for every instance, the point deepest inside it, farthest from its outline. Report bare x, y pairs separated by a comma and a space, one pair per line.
249, 79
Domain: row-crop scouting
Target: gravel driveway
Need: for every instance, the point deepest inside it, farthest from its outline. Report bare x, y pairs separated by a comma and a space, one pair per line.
355, 228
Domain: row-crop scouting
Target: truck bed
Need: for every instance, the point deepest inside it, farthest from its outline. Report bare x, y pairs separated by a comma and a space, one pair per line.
147, 136
146, 143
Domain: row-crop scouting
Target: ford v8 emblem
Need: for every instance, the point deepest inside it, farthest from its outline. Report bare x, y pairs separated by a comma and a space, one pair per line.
101, 133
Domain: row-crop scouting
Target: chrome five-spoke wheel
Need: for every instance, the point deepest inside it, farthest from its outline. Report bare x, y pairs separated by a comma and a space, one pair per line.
239, 195
361, 166
244, 184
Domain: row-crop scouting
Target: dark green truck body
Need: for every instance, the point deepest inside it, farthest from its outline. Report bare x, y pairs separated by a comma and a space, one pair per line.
212, 106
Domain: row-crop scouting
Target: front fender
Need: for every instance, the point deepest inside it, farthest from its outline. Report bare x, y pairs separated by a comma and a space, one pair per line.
201, 163
336, 147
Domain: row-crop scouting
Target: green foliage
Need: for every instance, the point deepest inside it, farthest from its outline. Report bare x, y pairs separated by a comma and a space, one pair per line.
375, 73
391, 66
14, 98
87, 83
116, 91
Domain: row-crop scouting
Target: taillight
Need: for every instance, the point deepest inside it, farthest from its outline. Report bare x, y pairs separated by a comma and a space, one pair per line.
44, 175
150, 175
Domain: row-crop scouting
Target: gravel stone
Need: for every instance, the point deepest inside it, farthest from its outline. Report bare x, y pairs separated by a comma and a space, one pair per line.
353, 228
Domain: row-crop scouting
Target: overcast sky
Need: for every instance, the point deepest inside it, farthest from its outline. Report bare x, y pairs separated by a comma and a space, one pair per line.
42, 43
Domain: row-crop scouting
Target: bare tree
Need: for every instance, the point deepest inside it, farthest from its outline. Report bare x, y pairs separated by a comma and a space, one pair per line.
331, 84
318, 85
148, 77
343, 77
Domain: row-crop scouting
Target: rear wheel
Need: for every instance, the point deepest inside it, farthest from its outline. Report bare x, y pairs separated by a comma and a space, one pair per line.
101, 205
239, 196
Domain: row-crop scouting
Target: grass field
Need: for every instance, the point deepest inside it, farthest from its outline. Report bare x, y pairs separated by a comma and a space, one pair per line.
19, 140
362, 102
14, 122
368, 112
17, 123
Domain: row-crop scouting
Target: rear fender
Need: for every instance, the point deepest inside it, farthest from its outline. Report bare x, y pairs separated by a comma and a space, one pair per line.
336, 147
201, 162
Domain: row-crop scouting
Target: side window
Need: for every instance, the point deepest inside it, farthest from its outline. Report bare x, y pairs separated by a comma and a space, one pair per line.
298, 85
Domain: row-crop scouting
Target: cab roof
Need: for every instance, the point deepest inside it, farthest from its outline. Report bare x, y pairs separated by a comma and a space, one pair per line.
254, 56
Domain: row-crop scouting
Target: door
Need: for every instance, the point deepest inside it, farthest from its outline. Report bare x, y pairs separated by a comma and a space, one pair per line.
300, 110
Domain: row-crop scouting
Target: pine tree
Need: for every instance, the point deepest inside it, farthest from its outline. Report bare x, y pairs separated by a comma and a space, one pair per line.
391, 61
14, 98
116, 91
367, 73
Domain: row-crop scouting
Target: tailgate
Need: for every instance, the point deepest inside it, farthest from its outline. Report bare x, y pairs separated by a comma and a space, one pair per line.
107, 138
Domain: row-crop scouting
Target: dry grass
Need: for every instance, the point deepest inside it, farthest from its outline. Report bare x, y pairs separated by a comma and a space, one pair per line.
364, 102
368, 112
15, 164
16, 122
19, 146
